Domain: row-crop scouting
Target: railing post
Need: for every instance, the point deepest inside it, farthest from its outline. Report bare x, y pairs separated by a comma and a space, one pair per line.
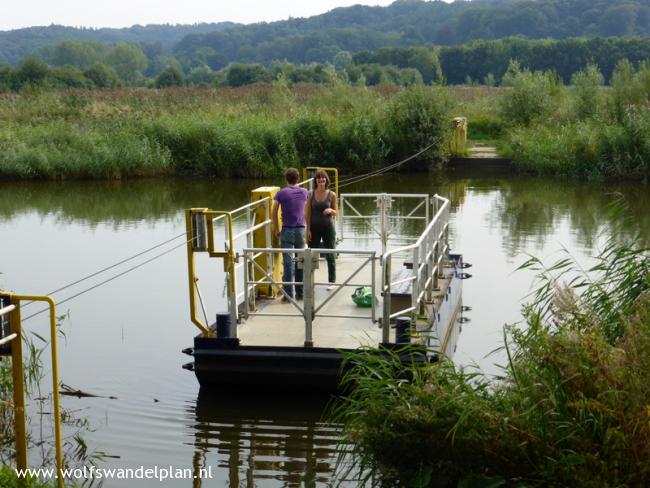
231, 275
436, 274
385, 205
415, 292
247, 273
446, 213
55, 392
18, 385
431, 242
268, 243
308, 295
373, 280
341, 216
385, 320
427, 211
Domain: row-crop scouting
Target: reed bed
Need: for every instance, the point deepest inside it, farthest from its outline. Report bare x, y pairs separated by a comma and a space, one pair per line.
247, 132
572, 407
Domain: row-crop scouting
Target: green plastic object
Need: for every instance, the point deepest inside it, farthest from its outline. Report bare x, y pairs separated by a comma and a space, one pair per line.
362, 296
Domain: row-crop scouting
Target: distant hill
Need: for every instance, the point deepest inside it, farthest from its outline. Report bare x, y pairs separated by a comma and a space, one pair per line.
15, 44
320, 38
414, 22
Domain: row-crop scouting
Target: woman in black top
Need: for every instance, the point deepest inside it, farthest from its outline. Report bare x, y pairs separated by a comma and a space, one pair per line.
320, 211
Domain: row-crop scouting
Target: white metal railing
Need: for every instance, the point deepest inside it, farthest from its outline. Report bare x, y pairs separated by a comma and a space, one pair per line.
427, 257
243, 238
310, 307
383, 223
4, 324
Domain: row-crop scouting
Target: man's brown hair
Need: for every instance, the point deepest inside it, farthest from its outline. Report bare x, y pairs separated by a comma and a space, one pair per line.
292, 176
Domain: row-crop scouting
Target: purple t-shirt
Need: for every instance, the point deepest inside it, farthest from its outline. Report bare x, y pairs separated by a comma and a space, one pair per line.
292, 200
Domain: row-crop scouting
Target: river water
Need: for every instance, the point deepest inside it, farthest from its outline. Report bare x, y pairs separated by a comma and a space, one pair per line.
122, 341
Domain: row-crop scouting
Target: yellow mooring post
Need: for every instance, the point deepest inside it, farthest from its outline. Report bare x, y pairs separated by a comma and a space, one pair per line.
19, 385
459, 136
263, 238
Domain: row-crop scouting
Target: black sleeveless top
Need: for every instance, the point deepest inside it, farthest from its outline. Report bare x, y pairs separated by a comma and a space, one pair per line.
317, 208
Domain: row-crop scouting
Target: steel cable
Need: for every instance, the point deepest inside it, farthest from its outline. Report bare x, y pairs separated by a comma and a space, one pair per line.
133, 268
358, 178
92, 275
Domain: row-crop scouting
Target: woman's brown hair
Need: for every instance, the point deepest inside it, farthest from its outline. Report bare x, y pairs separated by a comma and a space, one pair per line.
322, 174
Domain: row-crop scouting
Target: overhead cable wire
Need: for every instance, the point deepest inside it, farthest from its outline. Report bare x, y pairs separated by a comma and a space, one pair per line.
133, 268
92, 275
356, 179
377, 172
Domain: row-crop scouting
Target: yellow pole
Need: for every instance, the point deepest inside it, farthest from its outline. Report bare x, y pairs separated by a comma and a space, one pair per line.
191, 272
55, 381
19, 384
228, 259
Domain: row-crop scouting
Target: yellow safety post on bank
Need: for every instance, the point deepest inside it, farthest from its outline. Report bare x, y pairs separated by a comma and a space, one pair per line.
458, 141
309, 172
263, 238
15, 340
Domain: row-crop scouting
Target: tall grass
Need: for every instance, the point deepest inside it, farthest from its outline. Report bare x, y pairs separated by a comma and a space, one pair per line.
572, 407
75, 451
592, 148
249, 132
8, 479
591, 131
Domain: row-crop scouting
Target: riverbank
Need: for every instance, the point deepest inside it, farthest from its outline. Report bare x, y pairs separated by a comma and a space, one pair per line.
586, 130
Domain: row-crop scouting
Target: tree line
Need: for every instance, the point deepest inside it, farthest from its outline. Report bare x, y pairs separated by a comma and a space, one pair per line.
409, 23
88, 64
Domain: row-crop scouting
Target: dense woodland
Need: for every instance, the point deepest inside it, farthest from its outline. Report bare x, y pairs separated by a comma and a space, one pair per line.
87, 64
408, 42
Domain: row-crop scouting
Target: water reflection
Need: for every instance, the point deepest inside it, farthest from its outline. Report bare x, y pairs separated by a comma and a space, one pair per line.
120, 202
525, 207
265, 438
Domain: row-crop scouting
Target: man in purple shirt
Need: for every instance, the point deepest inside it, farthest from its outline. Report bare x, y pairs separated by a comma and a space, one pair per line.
292, 199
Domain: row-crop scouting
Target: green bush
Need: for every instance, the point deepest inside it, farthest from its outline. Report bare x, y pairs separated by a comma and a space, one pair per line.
170, 76
419, 117
359, 144
588, 85
627, 89
310, 137
530, 97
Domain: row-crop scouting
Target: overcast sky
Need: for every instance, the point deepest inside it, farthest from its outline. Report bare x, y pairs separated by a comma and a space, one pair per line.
125, 13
